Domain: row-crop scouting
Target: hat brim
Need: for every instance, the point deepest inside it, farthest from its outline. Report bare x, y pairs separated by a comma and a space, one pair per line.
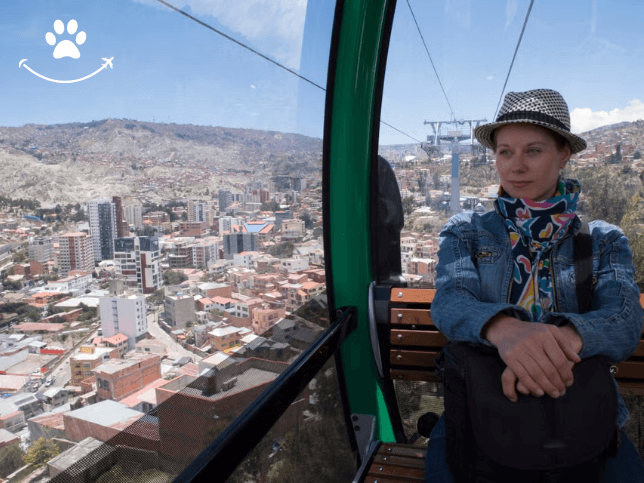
484, 133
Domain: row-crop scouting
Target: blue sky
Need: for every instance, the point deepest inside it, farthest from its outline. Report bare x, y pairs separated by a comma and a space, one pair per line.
169, 69
166, 67
592, 51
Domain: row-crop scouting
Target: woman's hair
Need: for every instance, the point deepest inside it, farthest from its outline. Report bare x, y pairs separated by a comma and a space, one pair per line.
559, 140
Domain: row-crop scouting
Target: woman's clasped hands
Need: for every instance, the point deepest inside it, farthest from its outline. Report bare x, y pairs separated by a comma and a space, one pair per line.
539, 357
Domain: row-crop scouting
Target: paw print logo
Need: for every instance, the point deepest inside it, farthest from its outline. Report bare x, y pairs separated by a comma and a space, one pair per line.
66, 48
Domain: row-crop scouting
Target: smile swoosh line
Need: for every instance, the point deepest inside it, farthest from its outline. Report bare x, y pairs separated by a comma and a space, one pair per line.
63, 81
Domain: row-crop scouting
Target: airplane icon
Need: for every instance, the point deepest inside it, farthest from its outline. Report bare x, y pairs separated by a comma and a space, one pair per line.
108, 62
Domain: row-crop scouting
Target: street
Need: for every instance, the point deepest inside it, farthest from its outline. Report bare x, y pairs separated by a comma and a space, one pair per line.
159, 334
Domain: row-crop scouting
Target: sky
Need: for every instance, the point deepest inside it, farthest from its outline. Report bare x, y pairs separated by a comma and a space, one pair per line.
592, 51
167, 68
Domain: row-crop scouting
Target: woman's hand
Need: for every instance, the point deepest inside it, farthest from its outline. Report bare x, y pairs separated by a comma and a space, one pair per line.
539, 355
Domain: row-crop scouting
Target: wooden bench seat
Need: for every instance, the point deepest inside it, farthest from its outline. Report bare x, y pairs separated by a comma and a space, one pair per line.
395, 463
415, 342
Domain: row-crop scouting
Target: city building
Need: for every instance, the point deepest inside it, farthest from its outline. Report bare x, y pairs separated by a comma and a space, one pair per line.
122, 226
226, 223
294, 264
225, 199
76, 253
238, 243
103, 228
134, 215
136, 261
196, 229
197, 210
41, 249
292, 229
118, 342
76, 281
82, 365
265, 318
214, 289
179, 309
119, 378
125, 315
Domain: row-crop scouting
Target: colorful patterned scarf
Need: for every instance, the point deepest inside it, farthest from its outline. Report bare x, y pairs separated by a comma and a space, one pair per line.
535, 227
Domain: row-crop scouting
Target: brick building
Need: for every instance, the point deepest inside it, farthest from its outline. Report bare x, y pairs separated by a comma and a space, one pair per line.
82, 365
118, 378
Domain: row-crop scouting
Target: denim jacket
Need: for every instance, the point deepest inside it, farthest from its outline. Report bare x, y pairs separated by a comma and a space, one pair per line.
474, 276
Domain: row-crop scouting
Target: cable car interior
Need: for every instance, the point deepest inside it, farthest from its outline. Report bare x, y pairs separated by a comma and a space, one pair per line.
384, 96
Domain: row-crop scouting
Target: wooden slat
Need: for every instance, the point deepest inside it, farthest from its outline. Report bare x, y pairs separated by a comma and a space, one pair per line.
398, 449
399, 461
630, 370
417, 358
412, 295
413, 375
422, 338
398, 472
631, 388
380, 479
639, 352
411, 317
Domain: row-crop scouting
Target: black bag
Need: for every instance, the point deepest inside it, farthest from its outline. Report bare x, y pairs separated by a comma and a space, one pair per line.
491, 439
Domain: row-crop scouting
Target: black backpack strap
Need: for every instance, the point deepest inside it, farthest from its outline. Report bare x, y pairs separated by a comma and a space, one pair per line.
583, 253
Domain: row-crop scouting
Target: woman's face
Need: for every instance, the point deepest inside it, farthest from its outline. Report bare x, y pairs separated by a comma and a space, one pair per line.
528, 161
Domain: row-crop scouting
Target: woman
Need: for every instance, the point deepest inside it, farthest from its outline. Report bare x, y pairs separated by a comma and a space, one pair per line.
496, 268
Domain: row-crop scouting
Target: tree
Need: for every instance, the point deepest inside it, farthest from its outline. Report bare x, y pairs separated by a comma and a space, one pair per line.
41, 452
632, 227
172, 277
10, 459
270, 206
282, 250
408, 205
306, 218
157, 298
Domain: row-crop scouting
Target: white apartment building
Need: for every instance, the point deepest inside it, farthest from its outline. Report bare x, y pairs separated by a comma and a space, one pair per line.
41, 249
136, 261
134, 215
226, 223
125, 315
294, 264
292, 229
77, 283
245, 259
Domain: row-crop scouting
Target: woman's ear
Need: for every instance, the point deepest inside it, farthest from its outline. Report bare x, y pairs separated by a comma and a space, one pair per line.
565, 157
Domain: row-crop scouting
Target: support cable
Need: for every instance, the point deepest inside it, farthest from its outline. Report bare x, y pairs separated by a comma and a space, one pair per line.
210, 27
430, 59
525, 22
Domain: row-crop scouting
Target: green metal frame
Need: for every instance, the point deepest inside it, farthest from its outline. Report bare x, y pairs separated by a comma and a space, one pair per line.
351, 128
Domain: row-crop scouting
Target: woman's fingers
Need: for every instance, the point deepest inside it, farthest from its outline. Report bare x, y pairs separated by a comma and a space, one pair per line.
522, 389
532, 377
565, 345
509, 380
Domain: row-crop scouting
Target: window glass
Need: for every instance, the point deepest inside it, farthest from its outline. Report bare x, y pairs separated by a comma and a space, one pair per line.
161, 211
447, 68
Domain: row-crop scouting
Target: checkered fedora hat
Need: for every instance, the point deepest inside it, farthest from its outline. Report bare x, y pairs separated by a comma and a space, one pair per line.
543, 107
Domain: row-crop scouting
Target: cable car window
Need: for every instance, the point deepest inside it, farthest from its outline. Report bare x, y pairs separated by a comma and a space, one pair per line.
161, 257
449, 66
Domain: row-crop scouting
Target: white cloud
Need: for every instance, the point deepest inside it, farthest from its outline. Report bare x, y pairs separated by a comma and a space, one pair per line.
490, 77
583, 119
511, 7
275, 27
253, 86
